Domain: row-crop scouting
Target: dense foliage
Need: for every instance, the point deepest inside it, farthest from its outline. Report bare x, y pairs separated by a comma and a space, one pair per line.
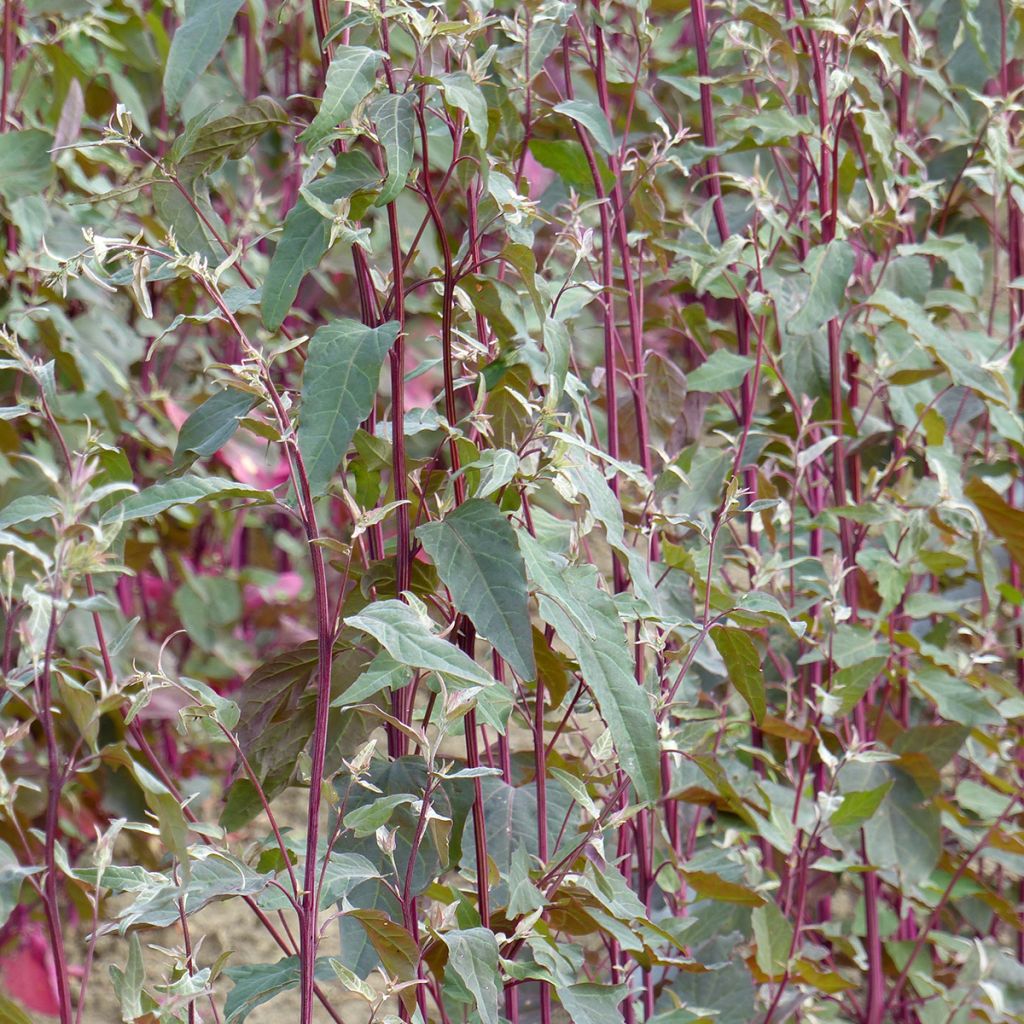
521, 503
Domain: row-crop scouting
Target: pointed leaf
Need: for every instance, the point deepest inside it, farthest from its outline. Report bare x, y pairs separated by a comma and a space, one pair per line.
307, 234
197, 41
227, 138
394, 118
858, 807
350, 78
774, 937
743, 663
339, 383
29, 508
587, 1003
473, 955
1005, 521
188, 490
461, 92
477, 558
25, 164
212, 425
721, 371
593, 118
828, 268
404, 635
607, 667
256, 984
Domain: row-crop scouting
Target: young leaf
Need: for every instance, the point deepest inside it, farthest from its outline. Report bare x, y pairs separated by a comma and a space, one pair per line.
212, 425
475, 551
743, 663
197, 41
607, 668
339, 383
473, 955
307, 234
393, 115
188, 490
350, 78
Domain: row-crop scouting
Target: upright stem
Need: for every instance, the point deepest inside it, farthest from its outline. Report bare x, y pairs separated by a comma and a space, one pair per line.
54, 787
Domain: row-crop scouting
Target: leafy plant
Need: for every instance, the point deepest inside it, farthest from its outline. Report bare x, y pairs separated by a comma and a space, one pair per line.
519, 503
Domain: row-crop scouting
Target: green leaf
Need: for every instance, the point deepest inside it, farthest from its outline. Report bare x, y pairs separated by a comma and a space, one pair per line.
339, 383
343, 873
588, 1003
129, 982
473, 955
307, 234
523, 895
858, 807
227, 138
511, 813
547, 30
774, 937
721, 371
408, 639
607, 666
593, 118
462, 93
394, 118
550, 581
29, 508
743, 663
850, 684
829, 268
396, 948
384, 673
212, 425
213, 876
25, 165
197, 41
1005, 521
188, 490
256, 984
904, 833
566, 158
11, 875
350, 78
12, 1013
478, 560
365, 820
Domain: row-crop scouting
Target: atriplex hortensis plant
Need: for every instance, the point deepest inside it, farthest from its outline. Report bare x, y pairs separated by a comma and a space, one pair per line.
644, 644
